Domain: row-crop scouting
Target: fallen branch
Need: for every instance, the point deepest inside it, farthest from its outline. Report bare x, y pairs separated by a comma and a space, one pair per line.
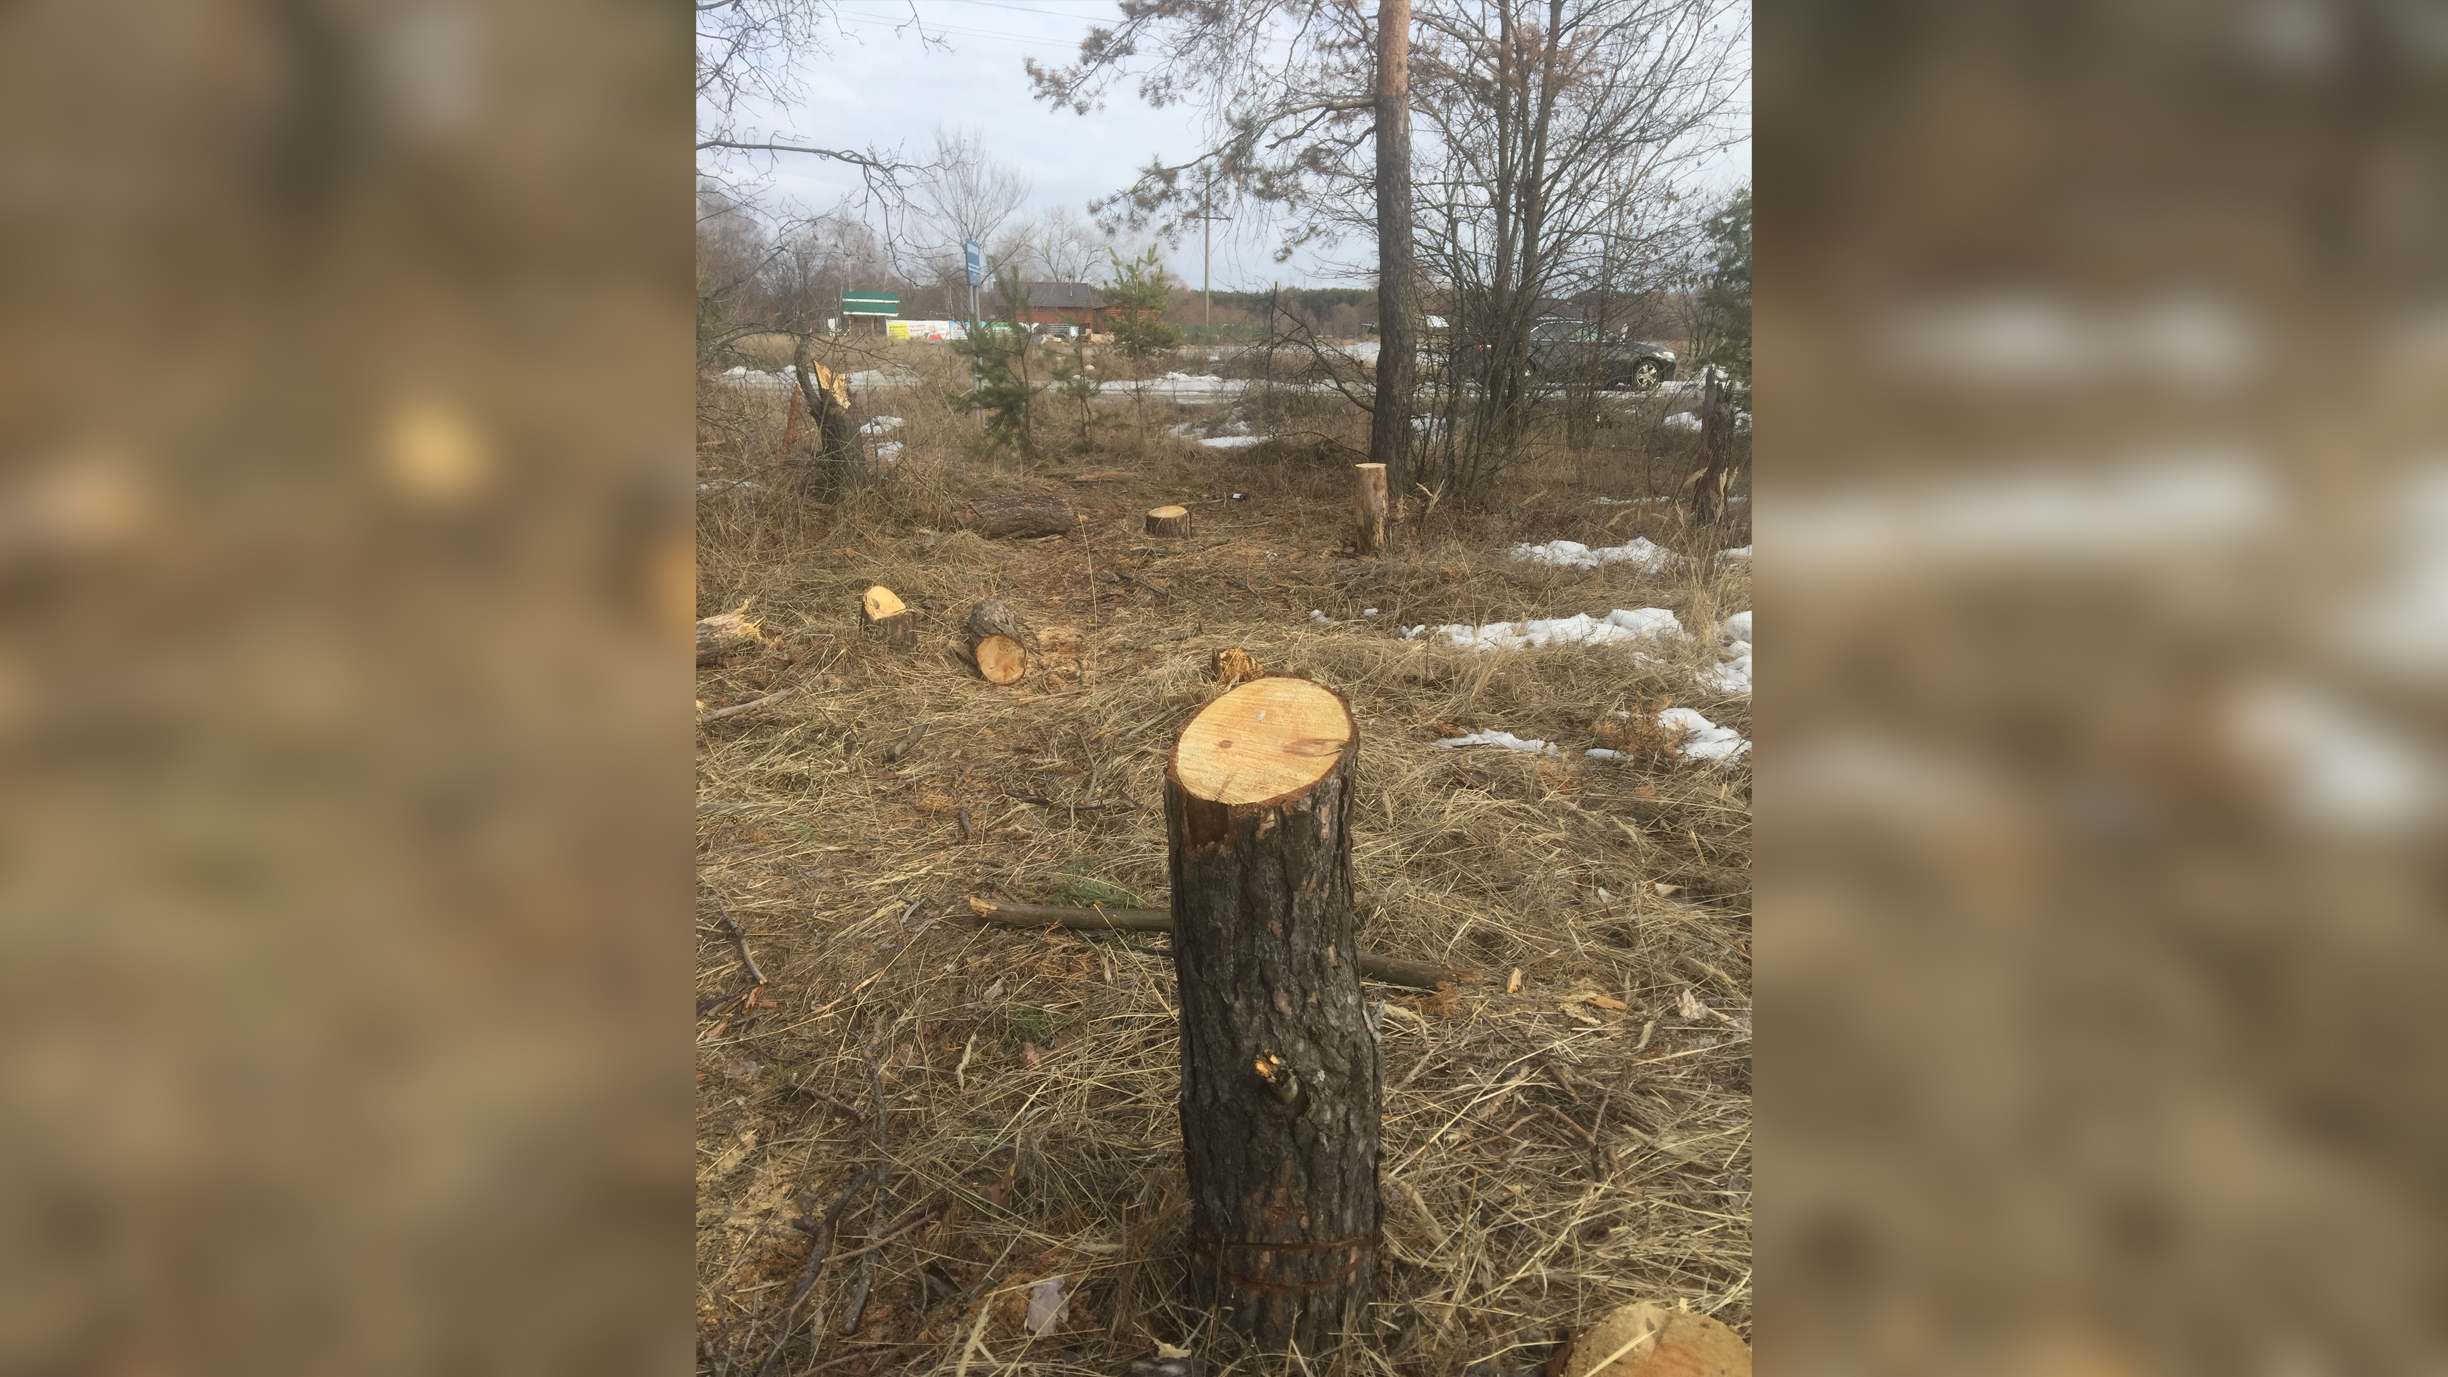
1419, 975
718, 714
731, 929
823, 1231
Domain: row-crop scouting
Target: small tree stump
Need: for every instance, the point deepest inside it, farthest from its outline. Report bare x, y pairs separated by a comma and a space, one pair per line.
885, 617
1369, 502
1280, 1076
1168, 521
998, 642
997, 515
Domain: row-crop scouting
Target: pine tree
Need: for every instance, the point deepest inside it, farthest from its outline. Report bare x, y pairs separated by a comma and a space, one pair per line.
999, 364
1138, 296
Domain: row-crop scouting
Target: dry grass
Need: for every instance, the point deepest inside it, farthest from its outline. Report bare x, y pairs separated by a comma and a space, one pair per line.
1547, 1156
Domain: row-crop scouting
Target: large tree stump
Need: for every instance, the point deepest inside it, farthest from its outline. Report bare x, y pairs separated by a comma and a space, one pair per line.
1369, 504
884, 616
998, 642
1280, 1075
1168, 521
996, 515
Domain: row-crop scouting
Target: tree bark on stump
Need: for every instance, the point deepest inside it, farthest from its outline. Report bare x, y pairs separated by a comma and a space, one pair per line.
1390, 438
998, 642
996, 515
1168, 521
885, 617
1280, 1075
1716, 446
1369, 504
839, 462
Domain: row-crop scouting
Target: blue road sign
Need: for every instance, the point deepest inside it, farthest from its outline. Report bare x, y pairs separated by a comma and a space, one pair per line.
977, 261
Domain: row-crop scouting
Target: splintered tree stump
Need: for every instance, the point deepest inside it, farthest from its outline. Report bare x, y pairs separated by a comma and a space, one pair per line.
1234, 665
998, 642
1369, 504
996, 515
887, 618
1168, 521
1280, 1076
728, 633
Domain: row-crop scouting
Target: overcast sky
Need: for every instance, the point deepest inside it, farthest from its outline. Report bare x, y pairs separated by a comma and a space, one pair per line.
882, 86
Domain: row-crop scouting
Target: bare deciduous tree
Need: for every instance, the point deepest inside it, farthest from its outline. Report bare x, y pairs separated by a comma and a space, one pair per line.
967, 194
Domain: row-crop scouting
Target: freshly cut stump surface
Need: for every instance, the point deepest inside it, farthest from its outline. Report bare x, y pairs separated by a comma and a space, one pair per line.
1168, 521
887, 618
1280, 1077
998, 642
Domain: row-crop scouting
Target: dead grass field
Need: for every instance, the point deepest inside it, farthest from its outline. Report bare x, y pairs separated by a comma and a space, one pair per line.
1550, 1151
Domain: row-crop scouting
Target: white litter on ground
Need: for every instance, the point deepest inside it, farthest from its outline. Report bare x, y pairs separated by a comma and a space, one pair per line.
1368, 611
1703, 739
1602, 753
1320, 618
889, 452
881, 425
1618, 626
1626, 501
1047, 1306
1505, 739
1640, 552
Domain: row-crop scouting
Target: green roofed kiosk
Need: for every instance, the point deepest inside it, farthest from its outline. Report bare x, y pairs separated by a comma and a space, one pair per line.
874, 305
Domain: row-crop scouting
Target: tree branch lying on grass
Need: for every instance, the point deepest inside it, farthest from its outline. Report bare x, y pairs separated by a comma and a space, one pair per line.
1422, 975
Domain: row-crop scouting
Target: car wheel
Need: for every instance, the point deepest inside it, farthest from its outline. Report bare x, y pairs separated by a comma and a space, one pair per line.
1645, 374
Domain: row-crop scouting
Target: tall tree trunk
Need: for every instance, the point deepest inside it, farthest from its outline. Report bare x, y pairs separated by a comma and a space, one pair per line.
1397, 306
1280, 1073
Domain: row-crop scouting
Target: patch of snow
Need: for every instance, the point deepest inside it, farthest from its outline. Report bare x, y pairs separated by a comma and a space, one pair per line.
881, 425
1640, 552
883, 377
1505, 739
1626, 501
1738, 555
889, 452
1703, 739
1233, 441
1320, 618
2335, 767
1616, 627
1682, 420
1736, 627
1368, 611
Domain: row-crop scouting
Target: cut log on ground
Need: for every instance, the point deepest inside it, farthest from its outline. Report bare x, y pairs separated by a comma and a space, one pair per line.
998, 642
1168, 521
1369, 504
1387, 970
1280, 1074
728, 633
887, 618
997, 515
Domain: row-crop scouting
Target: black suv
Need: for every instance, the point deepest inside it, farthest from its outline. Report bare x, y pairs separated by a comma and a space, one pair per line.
1570, 351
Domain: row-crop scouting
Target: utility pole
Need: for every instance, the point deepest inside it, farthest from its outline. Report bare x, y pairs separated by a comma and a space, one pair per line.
1207, 218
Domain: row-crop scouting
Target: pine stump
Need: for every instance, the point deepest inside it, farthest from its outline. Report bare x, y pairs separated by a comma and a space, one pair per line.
1280, 1076
998, 642
1369, 504
996, 515
884, 616
1168, 521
